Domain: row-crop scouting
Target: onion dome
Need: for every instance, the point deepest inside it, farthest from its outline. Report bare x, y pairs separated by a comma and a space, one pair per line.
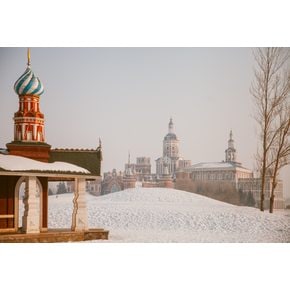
28, 83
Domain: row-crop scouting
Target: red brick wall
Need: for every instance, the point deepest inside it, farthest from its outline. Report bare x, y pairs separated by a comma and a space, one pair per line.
40, 153
7, 200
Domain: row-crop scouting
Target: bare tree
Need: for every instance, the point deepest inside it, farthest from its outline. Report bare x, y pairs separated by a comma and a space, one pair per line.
280, 151
270, 90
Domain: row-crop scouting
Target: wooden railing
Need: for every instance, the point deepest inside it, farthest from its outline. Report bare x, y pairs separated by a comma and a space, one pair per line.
6, 216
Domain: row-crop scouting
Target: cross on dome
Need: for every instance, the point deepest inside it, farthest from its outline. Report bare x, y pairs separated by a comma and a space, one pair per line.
170, 126
28, 56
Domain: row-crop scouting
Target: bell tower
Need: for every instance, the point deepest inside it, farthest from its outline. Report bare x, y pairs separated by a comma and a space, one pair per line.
171, 143
29, 133
230, 152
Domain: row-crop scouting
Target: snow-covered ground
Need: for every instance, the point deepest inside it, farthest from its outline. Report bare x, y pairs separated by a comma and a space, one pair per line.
168, 215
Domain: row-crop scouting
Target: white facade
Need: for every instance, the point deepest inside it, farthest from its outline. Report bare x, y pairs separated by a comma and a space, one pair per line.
142, 168
170, 161
219, 171
253, 185
231, 171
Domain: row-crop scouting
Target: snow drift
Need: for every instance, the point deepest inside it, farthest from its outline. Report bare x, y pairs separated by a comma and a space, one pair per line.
168, 215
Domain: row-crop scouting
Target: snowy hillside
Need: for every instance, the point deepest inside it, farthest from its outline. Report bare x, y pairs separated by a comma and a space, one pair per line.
168, 215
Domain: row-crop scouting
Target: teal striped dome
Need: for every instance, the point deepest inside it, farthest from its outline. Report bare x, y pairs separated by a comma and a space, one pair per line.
28, 84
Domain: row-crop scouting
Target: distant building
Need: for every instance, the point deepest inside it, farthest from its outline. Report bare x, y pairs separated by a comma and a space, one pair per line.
129, 178
232, 172
253, 185
229, 170
219, 171
142, 168
165, 180
94, 187
112, 182
183, 164
171, 160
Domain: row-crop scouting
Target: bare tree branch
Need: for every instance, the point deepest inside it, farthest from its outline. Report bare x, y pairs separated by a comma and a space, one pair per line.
270, 90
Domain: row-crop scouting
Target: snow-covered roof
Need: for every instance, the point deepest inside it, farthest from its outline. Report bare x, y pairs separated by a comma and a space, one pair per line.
219, 165
17, 163
213, 165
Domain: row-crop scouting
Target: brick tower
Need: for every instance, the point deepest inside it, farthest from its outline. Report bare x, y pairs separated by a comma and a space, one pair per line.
29, 133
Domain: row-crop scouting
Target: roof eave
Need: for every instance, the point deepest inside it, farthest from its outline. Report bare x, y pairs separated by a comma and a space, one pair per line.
49, 174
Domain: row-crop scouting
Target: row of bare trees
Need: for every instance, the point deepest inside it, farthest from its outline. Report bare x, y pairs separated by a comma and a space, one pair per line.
271, 93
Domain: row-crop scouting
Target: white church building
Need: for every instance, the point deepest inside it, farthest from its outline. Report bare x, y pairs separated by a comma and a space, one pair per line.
171, 161
231, 171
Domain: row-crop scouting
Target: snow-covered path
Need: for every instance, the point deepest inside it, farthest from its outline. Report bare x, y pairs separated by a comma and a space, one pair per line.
168, 215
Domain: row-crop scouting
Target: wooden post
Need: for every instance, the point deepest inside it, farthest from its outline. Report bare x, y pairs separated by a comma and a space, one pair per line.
80, 215
31, 217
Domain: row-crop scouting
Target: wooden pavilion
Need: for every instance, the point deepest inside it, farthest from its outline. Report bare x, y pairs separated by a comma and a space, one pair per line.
35, 217
29, 159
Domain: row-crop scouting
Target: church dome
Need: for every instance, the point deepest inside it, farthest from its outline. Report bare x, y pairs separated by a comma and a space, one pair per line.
170, 136
28, 84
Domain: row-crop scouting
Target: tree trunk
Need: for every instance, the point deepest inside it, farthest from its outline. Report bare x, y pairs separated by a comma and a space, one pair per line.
262, 201
272, 203
263, 176
274, 184
272, 197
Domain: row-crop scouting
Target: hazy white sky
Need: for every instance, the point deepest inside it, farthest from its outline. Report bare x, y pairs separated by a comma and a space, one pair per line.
126, 96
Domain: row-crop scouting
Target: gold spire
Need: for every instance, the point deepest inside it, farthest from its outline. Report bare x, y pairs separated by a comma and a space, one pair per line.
28, 56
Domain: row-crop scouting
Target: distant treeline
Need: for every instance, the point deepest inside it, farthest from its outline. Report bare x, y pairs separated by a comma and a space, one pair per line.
222, 191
